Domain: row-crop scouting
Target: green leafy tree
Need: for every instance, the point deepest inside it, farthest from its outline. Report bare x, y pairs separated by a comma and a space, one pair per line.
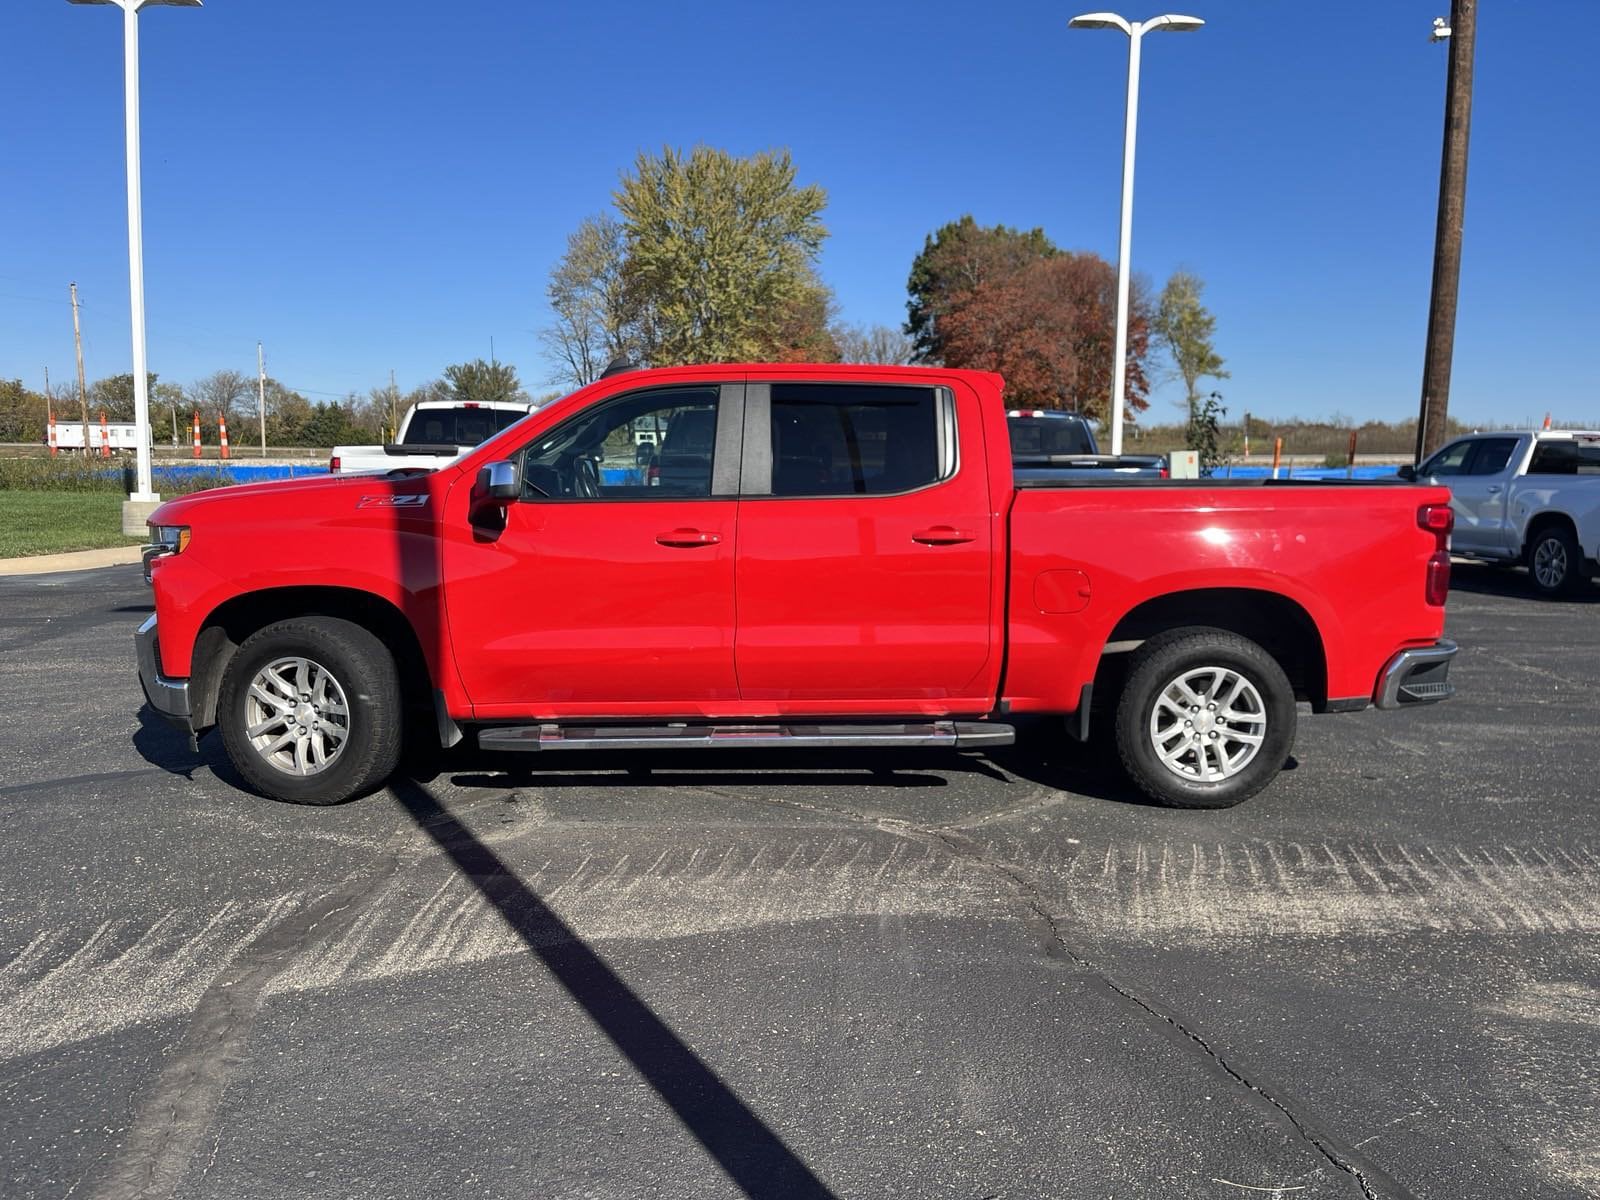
804, 332
327, 425
1185, 327
596, 319
288, 413
956, 259
720, 252
1204, 431
483, 382
23, 414
166, 403
114, 396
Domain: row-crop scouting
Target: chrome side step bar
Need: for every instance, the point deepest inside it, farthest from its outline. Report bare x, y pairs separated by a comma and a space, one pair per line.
951, 734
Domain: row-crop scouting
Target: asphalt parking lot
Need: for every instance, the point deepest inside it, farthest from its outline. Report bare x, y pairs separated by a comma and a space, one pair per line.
782, 976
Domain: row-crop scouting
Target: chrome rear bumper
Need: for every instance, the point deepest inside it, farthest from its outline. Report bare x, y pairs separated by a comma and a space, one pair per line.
1419, 676
169, 697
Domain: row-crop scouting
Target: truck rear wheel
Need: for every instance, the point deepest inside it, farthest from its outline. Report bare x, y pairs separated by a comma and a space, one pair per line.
1205, 720
310, 710
1553, 560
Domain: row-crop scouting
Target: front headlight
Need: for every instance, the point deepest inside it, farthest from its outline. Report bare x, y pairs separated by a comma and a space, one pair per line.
171, 539
164, 540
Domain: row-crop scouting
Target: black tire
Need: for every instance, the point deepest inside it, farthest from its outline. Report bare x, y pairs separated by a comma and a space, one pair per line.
364, 674
1555, 562
1197, 779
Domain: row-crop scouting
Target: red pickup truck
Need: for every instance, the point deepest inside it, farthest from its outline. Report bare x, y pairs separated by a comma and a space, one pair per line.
818, 555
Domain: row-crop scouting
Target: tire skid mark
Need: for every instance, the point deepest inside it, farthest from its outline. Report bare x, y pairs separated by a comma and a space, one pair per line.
664, 899
121, 973
69, 984
1360, 888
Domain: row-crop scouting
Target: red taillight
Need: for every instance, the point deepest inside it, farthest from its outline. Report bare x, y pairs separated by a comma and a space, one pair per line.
1438, 588
333, 463
652, 477
1164, 473
1438, 519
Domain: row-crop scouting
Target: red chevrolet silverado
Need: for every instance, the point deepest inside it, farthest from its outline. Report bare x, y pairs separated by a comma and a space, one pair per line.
784, 555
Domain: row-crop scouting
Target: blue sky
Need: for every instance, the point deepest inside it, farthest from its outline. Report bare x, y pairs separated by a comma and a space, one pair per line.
366, 186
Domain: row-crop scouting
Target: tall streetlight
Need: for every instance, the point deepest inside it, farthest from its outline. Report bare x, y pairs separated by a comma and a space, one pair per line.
1135, 31
140, 503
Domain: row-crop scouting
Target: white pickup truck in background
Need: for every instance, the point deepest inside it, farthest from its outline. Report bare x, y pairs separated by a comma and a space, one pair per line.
1524, 498
432, 433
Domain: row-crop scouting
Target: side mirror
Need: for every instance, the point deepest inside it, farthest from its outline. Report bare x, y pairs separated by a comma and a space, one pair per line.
1408, 473
500, 482
498, 485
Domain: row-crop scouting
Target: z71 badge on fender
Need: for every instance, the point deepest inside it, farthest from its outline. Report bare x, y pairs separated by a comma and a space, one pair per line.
393, 502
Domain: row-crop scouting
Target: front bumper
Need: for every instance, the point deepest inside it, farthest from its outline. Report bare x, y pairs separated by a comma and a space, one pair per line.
1419, 676
169, 697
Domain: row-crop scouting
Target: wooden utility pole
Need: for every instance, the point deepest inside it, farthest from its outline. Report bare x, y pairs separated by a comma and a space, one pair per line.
261, 391
83, 392
1433, 419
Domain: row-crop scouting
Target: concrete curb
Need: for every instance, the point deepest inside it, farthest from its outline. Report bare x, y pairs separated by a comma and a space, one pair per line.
78, 560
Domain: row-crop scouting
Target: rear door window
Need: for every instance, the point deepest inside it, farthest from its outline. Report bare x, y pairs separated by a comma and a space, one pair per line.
853, 439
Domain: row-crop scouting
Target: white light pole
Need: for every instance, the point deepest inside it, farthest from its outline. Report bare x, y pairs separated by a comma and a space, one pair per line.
141, 381
1135, 31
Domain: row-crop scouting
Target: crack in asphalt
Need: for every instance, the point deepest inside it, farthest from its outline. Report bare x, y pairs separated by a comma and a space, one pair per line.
1374, 1183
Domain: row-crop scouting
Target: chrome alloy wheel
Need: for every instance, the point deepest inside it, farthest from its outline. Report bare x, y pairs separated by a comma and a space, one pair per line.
1208, 724
296, 716
1550, 563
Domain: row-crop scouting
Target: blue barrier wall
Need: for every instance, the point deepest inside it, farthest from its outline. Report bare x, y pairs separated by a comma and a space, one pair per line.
240, 473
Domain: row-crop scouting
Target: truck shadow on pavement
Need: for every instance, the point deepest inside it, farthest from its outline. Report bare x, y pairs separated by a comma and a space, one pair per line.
752, 1155
1482, 579
1041, 757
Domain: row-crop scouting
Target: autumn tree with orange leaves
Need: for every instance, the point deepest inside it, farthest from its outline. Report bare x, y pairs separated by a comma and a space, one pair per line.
1000, 299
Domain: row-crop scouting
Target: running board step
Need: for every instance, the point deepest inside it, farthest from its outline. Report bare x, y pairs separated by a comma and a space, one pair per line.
958, 734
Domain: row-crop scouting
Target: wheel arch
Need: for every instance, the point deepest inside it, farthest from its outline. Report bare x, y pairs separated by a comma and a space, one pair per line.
1277, 623
231, 622
1541, 521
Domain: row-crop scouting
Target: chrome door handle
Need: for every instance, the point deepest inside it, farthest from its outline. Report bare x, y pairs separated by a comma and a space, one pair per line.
684, 539
943, 535
1495, 490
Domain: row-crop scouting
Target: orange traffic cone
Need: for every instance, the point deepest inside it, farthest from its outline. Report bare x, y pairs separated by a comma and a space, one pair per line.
105, 436
222, 432
54, 449
197, 434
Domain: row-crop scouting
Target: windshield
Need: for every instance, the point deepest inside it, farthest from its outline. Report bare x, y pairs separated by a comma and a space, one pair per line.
1039, 437
460, 426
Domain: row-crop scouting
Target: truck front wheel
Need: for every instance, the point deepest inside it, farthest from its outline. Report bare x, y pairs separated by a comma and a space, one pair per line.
310, 710
1205, 720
